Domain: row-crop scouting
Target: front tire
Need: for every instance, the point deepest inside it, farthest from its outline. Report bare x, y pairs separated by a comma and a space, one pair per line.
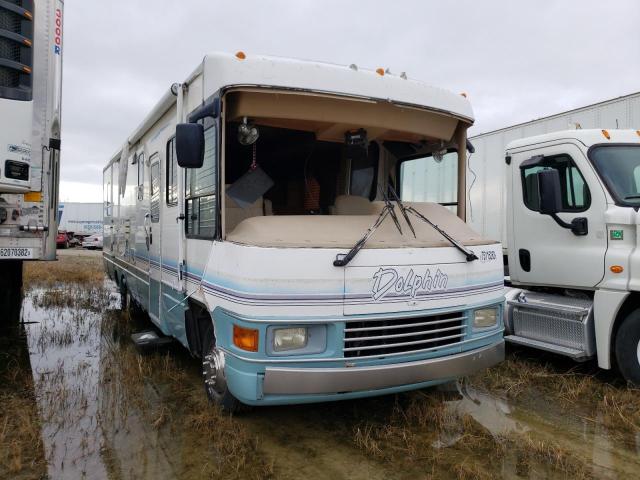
628, 347
213, 373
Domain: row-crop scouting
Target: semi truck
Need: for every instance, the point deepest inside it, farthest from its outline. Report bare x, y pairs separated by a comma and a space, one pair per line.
30, 92
562, 194
254, 216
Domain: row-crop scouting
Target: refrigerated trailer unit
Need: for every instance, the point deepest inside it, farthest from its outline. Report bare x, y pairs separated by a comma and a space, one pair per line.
30, 89
562, 194
80, 218
253, 216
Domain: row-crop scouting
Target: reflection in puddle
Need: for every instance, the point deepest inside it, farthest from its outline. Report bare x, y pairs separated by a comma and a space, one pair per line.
109, 412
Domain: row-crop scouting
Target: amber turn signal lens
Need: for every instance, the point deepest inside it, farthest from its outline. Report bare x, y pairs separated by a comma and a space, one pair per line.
240, 55
616, 269
245, 338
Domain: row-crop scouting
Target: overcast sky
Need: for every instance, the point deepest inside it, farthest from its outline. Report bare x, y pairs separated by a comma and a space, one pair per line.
517, 60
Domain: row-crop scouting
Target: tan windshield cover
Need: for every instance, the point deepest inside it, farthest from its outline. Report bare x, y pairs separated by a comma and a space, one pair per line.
343, 231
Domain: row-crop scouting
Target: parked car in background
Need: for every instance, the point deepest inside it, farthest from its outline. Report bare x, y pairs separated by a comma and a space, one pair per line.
62, 240
92, 242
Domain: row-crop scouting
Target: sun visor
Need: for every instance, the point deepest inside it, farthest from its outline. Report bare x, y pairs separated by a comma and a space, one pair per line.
250, 187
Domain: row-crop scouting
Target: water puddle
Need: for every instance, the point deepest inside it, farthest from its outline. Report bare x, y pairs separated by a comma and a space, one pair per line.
107, 411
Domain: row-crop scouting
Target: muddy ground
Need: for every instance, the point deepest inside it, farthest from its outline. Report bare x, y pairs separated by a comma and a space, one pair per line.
78, 401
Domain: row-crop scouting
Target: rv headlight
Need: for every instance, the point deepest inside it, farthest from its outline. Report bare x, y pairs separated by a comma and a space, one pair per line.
486, 317
289, 339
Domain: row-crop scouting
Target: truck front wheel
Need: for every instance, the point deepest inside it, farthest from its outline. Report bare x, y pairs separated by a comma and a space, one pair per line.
213, 373
628, 347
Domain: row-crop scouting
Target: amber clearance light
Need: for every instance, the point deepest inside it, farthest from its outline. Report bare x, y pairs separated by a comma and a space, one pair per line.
245, 338
616, 268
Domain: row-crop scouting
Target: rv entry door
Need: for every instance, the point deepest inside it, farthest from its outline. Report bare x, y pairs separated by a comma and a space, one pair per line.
152, 225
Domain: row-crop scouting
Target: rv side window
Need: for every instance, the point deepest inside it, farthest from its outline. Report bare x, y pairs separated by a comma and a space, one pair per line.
430, 179
154, 189
200, 189
140, 161
172, 173
575, 192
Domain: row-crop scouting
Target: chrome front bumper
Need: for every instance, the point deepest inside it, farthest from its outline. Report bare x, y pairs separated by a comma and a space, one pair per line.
300, 381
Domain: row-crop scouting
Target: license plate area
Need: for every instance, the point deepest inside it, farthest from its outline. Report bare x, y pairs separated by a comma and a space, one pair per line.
8, 253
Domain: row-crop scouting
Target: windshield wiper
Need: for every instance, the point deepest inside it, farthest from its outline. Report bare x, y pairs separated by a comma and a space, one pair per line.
470, 256
388, 209
631, 197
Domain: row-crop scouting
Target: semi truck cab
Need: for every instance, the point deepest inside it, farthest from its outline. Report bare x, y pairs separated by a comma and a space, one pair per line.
572, 201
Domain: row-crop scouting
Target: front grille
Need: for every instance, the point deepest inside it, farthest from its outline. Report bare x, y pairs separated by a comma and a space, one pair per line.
9, 49
374, 338
10, 21
9, 78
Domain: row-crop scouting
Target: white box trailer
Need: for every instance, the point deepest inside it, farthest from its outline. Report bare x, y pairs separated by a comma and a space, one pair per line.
80, 218
30, 91
564, 204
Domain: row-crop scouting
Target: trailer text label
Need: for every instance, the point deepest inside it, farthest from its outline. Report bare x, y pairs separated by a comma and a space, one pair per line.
388, 280
57, 38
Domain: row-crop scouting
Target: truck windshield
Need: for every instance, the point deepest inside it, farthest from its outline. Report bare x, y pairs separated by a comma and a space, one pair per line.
619, 167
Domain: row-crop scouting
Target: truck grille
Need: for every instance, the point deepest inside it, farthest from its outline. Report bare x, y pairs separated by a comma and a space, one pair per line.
374, 338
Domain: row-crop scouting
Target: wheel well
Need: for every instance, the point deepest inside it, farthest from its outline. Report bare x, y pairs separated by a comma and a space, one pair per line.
197, 320
631, 303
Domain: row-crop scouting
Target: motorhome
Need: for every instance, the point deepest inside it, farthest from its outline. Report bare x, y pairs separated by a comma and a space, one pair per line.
30, 91
564, 203
254, 216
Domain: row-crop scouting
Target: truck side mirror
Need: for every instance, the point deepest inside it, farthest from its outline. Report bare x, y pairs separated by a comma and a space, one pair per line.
190, 145
549, 191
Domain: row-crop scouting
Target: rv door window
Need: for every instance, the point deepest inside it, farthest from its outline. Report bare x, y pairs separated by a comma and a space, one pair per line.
140, 161
200, 190
154, 190
172, 173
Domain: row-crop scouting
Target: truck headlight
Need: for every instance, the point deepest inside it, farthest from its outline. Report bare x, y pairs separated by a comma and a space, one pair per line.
289, 339
485, 317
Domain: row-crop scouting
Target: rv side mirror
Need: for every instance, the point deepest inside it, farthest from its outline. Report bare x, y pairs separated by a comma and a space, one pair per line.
549, 191
190, 145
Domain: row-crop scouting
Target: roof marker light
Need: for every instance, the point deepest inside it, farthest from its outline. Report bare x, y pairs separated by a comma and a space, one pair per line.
353, 66
380, 71
240, 55
464, 94
403, 75
606, 134
638, 132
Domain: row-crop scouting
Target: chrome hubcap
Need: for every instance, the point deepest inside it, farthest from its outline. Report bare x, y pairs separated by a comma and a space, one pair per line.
213, 372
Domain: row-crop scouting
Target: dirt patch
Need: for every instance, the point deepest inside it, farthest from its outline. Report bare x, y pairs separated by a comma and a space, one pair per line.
21, 446
73, 267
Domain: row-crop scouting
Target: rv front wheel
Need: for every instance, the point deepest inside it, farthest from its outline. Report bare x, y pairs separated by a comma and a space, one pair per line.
628, 347
213, 373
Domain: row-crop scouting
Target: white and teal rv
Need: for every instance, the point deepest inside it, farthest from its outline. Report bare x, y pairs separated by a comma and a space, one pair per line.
256, 215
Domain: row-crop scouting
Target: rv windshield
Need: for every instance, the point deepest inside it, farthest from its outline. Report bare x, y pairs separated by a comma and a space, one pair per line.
427, 180
619, 167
